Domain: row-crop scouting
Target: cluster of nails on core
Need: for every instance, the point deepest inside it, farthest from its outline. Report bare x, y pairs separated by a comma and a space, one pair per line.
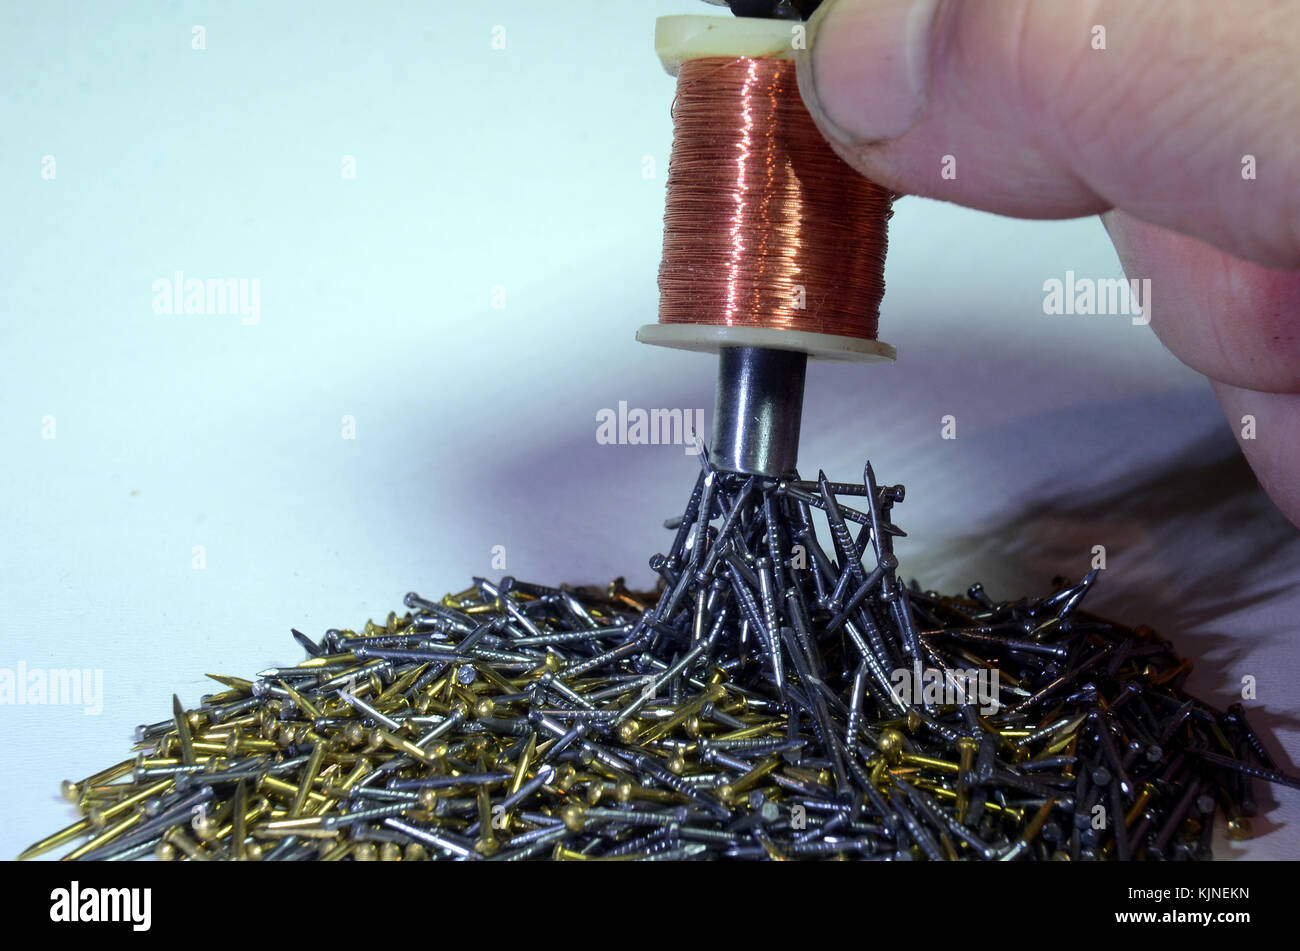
753, 707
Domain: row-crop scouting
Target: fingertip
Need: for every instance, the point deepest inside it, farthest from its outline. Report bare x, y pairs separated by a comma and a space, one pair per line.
1267, 428
892, 86
863, 73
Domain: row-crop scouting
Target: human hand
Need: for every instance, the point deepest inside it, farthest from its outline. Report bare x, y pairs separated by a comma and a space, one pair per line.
1153, 132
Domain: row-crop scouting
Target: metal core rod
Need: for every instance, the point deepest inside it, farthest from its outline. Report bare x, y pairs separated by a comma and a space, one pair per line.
757, 410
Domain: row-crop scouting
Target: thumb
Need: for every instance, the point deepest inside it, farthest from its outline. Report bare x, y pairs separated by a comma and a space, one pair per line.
1183, 114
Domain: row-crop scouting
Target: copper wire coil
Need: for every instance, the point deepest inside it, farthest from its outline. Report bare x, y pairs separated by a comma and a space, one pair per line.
765, 226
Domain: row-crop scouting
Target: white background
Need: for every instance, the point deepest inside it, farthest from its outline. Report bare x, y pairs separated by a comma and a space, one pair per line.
475, 426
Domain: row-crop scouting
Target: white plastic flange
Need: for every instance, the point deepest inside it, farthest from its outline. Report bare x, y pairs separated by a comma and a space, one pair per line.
708, 338
681, 38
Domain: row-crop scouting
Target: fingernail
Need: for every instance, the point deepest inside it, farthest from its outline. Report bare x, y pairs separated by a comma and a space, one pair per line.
864, 73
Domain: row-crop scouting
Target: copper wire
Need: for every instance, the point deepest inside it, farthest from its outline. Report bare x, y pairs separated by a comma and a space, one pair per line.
765, 225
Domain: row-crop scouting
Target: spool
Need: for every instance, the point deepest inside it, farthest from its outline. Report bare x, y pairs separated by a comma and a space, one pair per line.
698, 318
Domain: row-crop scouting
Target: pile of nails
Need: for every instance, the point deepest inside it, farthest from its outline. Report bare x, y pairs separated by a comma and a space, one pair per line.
776, 698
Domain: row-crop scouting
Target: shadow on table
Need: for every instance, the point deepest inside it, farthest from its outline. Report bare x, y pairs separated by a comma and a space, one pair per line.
1190, 544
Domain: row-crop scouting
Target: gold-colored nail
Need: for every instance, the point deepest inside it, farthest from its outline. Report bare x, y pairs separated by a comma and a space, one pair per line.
62, 837
175, 837
732, 792
967, 747
102, 817
108, 835
524, 764
237, 831
308, 777
183, 731
72, 791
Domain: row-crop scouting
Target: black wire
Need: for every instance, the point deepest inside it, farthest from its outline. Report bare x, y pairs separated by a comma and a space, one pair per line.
774, 9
